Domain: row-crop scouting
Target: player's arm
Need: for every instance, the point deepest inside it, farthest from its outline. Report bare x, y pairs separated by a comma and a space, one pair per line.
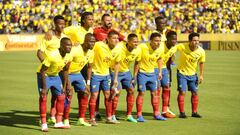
201, 65
160, 63
116, 71
40, 51
66, 85
170, 53
40, 55
89, 75
135, 72
43, 80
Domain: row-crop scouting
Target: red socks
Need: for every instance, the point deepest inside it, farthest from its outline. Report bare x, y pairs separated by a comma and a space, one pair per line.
130, 102
92, 106
53, 106
60, 107
43, 109
181, 102
139, 103
194, 100
155, 104
108, 106
67, 104
82, 105
114, 105
165, 99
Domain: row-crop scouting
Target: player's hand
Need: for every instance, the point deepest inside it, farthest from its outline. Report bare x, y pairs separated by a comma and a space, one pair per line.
115, 83
48, 35
200, 79
43, 93
134, 82
87, 91
160, 76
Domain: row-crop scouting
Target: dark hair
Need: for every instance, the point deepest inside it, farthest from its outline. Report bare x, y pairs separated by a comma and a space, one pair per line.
58, 17
63, 39
131, 36
159, 18
104, 15
154, 34
170, 33
191, 35
89, 35
112, 32
84, 16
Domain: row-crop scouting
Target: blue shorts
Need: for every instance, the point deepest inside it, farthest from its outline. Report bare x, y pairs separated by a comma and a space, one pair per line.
102, 82
53, 82
124, 80
185, 81
77, 82
165, 79
146, 81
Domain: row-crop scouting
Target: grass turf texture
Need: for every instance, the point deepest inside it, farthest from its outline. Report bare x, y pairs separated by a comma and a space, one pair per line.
219, 102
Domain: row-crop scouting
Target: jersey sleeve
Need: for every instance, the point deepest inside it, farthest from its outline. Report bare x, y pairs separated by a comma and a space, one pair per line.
203, 57
42, 45
46, 62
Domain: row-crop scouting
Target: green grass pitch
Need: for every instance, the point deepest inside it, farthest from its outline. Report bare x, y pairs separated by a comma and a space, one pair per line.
219, 105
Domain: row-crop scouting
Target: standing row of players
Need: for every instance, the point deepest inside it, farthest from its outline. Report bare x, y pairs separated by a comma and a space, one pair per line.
65, 52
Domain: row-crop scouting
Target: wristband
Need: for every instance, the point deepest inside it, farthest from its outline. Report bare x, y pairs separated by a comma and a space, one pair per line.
88, 82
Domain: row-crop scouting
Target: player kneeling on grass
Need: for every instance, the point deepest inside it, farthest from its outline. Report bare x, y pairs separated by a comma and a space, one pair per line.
48, 78
121, 76
146, 78
190, 55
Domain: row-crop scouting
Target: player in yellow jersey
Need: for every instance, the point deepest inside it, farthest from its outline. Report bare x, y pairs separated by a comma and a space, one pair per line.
191, 55
121, 75
161, 28
46, 47
164, 83
82, 55
146, 78
48, 78
77, 33
101, 76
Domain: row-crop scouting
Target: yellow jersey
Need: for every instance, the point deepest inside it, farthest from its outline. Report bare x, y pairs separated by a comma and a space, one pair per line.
148, 57
80, 58
102, 58
52, 45
55, 63
77, 33
121, 54
188, 59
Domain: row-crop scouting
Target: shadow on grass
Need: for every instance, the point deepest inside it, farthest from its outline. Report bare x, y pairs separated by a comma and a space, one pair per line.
20, 119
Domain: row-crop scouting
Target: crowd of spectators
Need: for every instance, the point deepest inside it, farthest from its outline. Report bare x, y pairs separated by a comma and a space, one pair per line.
184, 16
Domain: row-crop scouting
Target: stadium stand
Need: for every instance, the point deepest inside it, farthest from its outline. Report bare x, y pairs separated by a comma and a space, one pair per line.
184, 16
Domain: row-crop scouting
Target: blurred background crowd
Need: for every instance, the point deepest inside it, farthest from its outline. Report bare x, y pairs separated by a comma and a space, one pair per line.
184, 16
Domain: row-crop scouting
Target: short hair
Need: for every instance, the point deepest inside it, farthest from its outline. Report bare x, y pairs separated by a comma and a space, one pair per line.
171, 33
112, 32
154, 34
131, 36
191, 35
159, 18
63, 39
89, 35
104, 15
58, 17
84, 16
